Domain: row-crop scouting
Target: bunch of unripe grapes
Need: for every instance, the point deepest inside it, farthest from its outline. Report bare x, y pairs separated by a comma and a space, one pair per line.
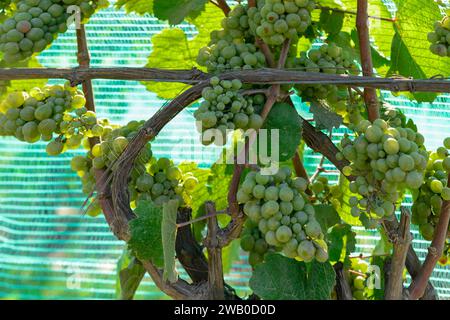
225, 108
224, 54
358, 279
252, 241
329, 58
156, 180
274, 21
440, 38
279, 206
236, 24
35, 25
427, 207
385, 161
42, 113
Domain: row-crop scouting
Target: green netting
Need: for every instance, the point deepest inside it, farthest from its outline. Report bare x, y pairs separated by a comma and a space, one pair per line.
48, 250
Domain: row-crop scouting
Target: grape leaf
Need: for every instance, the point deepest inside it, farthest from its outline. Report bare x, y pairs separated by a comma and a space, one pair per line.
331, 21
283, 117
169, 236
213, 185
378, 293
411, 56
230, 254
324, 117
136, 6
146, 240
175, 11
341, 243
384, 246
326, 215
130, 273
173, 50
281, 278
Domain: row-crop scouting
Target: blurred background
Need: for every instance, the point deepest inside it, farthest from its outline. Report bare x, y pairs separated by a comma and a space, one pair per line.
50, 250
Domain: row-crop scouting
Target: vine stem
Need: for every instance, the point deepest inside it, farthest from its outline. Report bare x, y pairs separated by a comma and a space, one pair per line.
212, 244
402, 241
222, 4
418, 286
343, 290
263, 76
362, 25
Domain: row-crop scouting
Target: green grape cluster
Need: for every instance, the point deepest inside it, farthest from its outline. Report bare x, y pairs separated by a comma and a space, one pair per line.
351, 110
225, 54
236, 25
225, 108
279, 206
41, 113
385, 161
252, 241
151, 179
322, 190
330, 59
36, 23
274, 21
432, 194
358, 279
440, 38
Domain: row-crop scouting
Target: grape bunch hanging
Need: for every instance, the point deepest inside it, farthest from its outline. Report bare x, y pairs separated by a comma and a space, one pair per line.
279, 206
385, 161
430, 198
36, 23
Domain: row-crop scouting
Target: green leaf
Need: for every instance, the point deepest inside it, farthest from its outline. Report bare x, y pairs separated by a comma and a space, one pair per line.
136, 6
169, 237
173, 50
281, 278
404, 64
331, 21
384, 246
175, 11
341, 243
285, 118
146, 240
130, 273
324, 117
411, 56
378, 293
230, 254
213, 185
326, 215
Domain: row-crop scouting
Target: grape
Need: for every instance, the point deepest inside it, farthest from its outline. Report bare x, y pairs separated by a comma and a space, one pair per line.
55, 148
428, 204
440, 38
224, 108
36, 24
278, 208
385, 160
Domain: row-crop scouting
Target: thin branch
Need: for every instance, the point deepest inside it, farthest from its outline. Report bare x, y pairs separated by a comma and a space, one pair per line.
298, 167
413, 264
266, 51
343, 290
215, 273
222, 4
195, 76
205, 217
402, 241
362, 25
284, 53
419, 283
189, 252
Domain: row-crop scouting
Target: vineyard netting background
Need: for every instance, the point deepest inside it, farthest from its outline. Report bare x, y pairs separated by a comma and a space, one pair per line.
50, 250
